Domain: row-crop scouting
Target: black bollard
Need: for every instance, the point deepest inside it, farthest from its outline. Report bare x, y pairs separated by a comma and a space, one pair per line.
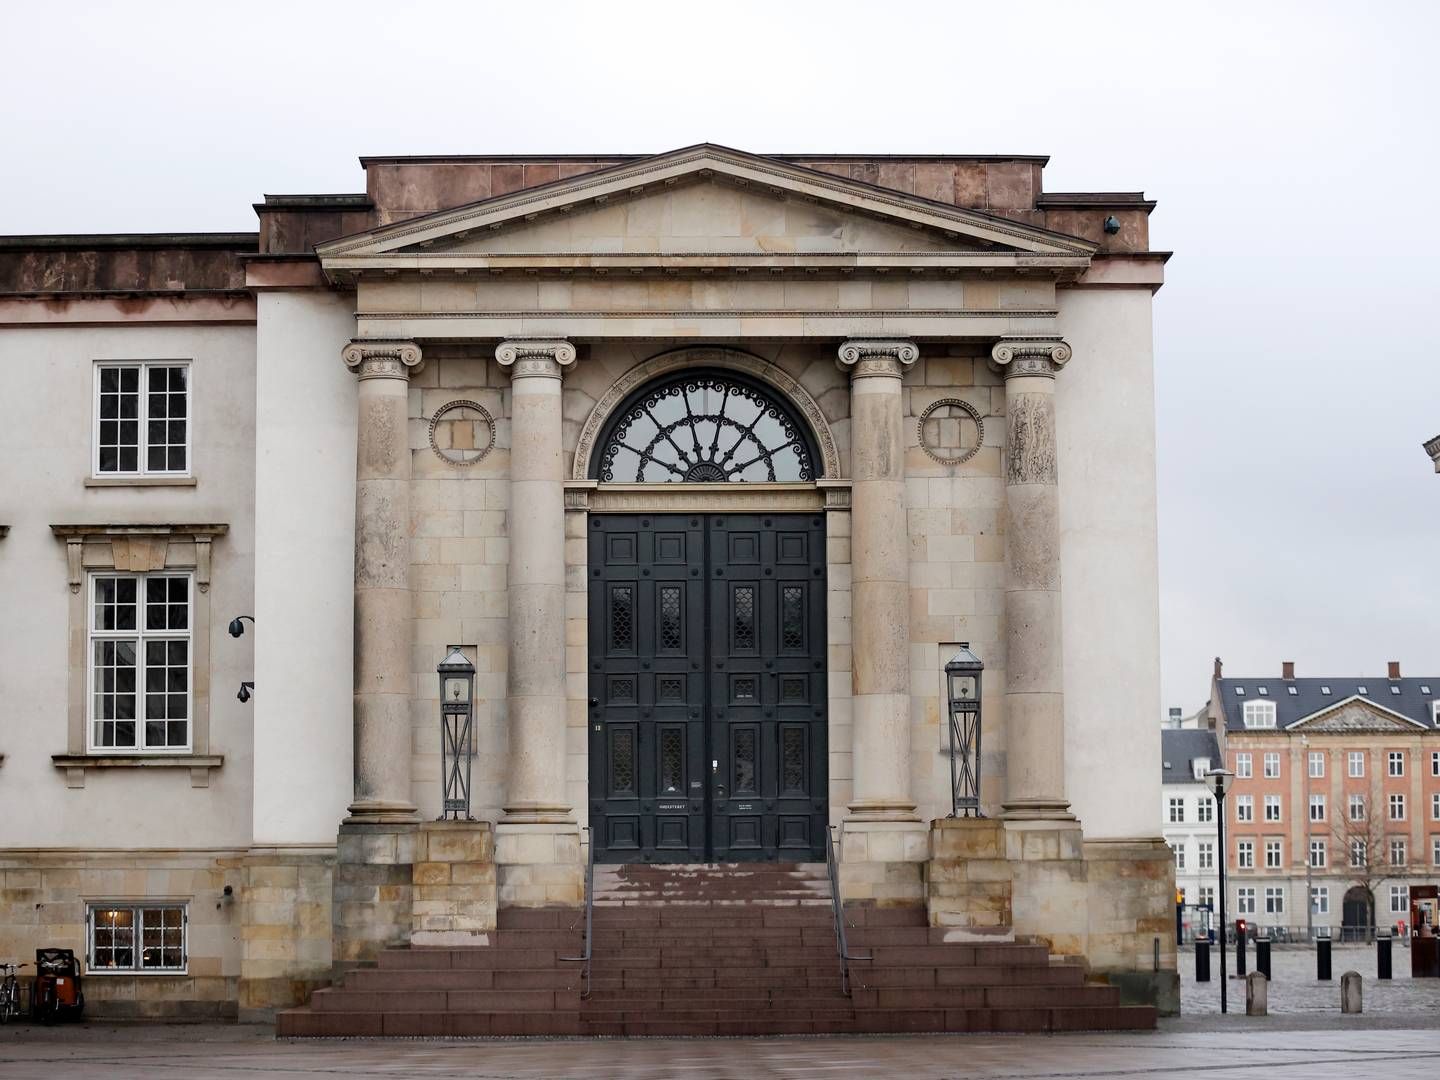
1240, 951
1202, 960
1382, 955
1262, 956
1322, 960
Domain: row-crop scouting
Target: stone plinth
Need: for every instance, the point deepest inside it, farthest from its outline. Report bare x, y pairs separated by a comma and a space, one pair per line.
285, 929
539, 865
374, 870
453, 884
1048, 879
882, 862
1131, 907
968, 879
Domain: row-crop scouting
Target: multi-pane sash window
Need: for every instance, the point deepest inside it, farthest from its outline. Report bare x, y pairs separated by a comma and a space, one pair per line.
1177, 810
1205, 809
1357, 807
1207, 896
1399, 899
1320, 899
1245, 854
1435, 806
1259, 714
1272, 807
136, 937
1435, 762
1397, 807
1272, 854
1272, 766
1179, 850
142, 418
1245, 900
1396, 762
1316, 761
1358, 851
1435, 850
1244, 770
1245, 808
140, 662
1397, 852
1205, 851
1275, 900
1319, 855
1356, 759
1317, 807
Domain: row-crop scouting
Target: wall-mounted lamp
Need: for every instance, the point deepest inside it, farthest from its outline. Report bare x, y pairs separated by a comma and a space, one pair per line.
247, 689
1112, 224
237, 627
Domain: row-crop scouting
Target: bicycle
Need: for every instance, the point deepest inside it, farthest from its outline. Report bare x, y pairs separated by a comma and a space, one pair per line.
9, 992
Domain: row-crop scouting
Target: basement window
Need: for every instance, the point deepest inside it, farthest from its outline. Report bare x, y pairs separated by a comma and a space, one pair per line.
135, 938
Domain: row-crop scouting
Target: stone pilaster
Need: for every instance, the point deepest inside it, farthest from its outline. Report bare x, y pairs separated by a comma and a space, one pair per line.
382, 585
1034, 695
535, 791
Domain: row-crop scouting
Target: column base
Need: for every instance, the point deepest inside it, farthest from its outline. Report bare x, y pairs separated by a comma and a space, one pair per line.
538, 864
381, 812
882, 810
537, 814
1036, 810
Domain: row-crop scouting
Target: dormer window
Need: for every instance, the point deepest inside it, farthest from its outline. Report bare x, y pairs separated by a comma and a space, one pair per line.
1239, 691
1324, 689
1424, 688
1293, 690
1259, 714
1199, 767
1362, 689
1262, 690
1394, 689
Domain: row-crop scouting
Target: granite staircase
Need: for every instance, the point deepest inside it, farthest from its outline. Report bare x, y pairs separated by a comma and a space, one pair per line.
740, 949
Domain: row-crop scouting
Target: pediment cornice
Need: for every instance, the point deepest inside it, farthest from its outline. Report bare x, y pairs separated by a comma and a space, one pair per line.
963, 233
1355, 713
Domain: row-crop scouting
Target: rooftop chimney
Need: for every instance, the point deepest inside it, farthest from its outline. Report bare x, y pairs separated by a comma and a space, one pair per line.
1394, 669
1218, 667
1287, 669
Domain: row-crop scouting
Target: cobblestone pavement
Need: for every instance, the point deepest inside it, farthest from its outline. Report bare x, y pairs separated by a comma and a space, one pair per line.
1294, 988
1250, 1048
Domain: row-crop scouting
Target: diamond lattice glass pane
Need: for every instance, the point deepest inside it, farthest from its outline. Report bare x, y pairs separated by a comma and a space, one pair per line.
622, 761
670, 690
622, 617
792, 759
672, 760
744, 624
706, 429
792, 617
745, 760
670, 635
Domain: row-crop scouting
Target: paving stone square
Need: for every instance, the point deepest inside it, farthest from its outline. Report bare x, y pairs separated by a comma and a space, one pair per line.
1294, 988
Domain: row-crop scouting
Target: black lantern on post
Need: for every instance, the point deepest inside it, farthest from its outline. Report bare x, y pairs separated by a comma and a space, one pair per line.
962, 687
457, 714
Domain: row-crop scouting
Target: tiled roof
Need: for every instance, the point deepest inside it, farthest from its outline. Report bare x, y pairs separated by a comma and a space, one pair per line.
1179, 747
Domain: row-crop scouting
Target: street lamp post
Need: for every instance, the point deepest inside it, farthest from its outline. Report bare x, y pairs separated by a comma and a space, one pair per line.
1220, 781
1309, 859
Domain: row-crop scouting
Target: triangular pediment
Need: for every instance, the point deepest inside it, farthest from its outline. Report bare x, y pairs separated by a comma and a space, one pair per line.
700, 201
1356, 714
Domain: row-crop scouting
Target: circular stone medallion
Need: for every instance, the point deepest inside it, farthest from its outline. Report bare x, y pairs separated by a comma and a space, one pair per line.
462, 432
951, 431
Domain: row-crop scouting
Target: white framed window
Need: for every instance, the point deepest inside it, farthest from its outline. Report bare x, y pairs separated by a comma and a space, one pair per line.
1435, 754
1435, 851
1245, 854
1263, 691
1396, 762
1245, 900
1179, 850
1272, 766
1357, 807
1272, 854
1320, 899
1317, 807
1207, 896
1274, 900
1359, 849
1398, 852
1205, 809
1205, 855
1245, 808
139, 668
1177, 811
136, 938
1272, 807
1356, 758
1259, 714
1244, 767
1435, 806
1397, 807
1199, 767
1319, 854
142, 418
1399, 899
1316, 762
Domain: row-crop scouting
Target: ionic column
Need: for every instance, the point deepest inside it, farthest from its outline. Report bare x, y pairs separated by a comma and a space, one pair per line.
880, 582
535, 788
382, 580
1034, 695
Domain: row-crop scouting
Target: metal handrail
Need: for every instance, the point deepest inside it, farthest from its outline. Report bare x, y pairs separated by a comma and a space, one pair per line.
584, 957
842, 947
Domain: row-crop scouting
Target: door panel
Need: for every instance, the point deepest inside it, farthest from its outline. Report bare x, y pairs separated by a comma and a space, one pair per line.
707, 687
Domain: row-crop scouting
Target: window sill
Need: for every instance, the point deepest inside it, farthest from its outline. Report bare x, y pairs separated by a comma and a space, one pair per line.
198, 764
140, 973
139, 481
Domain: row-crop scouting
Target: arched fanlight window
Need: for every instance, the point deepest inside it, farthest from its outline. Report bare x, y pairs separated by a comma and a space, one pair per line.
710, 427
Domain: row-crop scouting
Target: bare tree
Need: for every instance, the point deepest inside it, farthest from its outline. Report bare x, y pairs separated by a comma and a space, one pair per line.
1364, 855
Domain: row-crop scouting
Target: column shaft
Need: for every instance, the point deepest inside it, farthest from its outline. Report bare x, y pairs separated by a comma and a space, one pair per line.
1034, 692
536, 700
880, 581
382, 581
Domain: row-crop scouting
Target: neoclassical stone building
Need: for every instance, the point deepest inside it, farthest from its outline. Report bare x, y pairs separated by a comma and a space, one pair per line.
707, 461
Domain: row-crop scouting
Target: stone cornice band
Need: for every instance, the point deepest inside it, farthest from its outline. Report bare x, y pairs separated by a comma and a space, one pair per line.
547, 358
1034, 356
864, 357
378, 359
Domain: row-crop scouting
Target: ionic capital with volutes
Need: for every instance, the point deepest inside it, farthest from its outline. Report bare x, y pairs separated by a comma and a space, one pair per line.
1032, 356
543, 359
864, 358
377, 359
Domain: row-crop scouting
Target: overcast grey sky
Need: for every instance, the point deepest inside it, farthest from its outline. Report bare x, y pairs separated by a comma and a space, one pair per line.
1292, 148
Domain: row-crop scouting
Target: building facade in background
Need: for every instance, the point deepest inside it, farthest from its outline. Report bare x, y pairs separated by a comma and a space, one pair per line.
1336, 800
706, 460
1187, 810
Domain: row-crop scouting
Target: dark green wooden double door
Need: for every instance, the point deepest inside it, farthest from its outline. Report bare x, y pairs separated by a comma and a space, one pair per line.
707, 737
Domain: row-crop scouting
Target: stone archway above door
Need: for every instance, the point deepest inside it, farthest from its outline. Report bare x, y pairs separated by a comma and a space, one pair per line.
714, 357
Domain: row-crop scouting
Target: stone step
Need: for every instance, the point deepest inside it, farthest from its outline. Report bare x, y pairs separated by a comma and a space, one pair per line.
562, 977
869, 975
